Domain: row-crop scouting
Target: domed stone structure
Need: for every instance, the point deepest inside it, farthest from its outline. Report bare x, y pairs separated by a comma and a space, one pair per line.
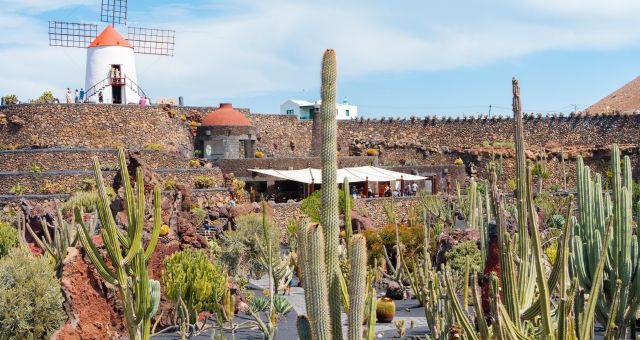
226, 133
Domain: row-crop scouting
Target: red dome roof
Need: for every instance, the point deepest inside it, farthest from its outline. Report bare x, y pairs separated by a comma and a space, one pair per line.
110, 37
226, 115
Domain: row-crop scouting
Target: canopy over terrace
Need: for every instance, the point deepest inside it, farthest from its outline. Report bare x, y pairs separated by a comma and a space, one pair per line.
355, 174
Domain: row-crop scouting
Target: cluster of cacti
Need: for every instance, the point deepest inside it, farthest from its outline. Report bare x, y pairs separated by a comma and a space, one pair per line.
190, 277
595, 209
55, 246
326, 290
128, 257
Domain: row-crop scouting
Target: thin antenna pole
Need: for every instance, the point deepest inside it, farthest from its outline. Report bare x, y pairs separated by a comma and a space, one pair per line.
489, 110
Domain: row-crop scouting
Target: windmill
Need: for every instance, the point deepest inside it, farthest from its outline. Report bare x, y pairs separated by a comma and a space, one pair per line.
111, 69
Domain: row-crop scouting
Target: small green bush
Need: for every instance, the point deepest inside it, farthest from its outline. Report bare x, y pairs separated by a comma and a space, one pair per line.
30, 297
240, 248
457, 257
18, 189
189, 275
46, 97
204, 182
311, 205
170, 184
10, 99
154, 147
8, 238
200, 213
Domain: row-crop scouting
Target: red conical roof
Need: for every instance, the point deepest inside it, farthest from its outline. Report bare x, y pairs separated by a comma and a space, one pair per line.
225, 115
110, 37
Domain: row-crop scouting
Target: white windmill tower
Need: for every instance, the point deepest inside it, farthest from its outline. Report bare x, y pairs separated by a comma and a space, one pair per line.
111, 67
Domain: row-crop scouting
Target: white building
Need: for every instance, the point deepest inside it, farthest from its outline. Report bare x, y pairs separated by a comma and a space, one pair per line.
304, 109
111, 69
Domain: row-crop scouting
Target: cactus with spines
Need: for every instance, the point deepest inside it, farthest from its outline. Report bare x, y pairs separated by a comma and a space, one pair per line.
304, 327
348, 228
329, 208
357, 286
595, 207
315, 279
55, 246
129, 258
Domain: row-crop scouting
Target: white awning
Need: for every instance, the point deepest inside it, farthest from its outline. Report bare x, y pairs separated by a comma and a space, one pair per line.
356, 174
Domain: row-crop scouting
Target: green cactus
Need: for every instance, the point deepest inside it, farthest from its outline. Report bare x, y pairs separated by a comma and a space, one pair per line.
595, 208
526, 280
329, 207
129, 259
348, 229
55, 246
315, 276
304, 328
357, 286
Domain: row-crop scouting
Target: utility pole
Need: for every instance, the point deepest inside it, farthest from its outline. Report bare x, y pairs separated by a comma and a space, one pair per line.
489, 110
575, 108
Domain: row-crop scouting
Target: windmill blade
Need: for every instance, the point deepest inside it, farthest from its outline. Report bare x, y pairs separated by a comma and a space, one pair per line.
71, 34
114, 11
152, 40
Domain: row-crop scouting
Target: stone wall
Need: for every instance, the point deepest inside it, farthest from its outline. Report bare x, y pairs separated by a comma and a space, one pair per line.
80, 159
426, 140
371, 207
93, 126
70, 180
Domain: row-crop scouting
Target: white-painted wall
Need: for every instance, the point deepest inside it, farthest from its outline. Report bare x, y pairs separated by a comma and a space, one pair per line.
301, 109
99, 61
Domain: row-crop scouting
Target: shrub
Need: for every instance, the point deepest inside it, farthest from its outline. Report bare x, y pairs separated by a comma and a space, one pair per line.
311, 205
30, 297
259, 154
154, 147
18, 189
194, 163
85, 199
240, 248
457, 257
46, 97
8, 238
51, 187
193, 124
35, 167
190, 276
372, 152
204, 182
170, 184
200, 213
458, 161
10, 99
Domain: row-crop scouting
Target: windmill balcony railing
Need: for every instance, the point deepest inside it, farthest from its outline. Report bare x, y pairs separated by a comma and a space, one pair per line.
118, 80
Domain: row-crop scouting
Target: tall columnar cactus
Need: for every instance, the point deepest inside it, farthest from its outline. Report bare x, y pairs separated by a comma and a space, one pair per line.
315, 276
129, 259
348, 228
526, 279
358, 286
330, 208
596, 207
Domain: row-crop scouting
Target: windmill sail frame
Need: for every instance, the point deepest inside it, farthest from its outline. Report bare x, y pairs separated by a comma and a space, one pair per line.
152, 40
71, 34
114, 11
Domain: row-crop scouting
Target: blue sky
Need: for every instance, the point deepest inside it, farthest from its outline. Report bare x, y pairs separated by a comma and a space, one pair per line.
395, 58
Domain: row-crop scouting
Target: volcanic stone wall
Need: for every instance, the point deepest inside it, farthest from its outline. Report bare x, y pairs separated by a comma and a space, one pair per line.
427, 136
92, 126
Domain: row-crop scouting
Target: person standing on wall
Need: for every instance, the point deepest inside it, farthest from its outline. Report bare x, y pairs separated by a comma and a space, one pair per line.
100, 98
68, 94
81, 95
77, 97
